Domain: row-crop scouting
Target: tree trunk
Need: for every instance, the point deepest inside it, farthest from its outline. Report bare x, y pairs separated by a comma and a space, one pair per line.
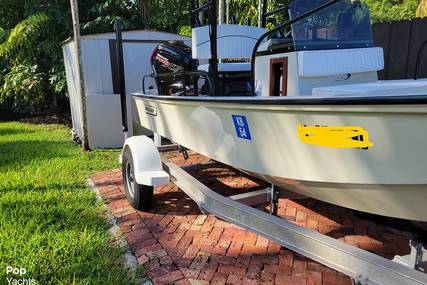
76, 29
145, 10
260, 13
221, 12
227, 11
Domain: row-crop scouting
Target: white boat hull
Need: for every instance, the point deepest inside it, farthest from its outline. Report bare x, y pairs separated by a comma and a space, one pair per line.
388, 178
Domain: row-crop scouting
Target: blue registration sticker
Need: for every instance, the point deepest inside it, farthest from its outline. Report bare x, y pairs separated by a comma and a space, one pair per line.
241, 126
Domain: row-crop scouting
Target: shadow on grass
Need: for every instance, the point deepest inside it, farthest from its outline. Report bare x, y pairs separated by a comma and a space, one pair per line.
14, 154
14, 131
67, 207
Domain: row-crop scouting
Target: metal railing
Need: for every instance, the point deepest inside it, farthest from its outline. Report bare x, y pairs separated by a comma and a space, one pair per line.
180, 75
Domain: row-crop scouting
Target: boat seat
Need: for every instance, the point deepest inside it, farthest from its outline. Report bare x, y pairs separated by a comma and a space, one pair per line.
388, 87
317, 63
228, 67
233, 42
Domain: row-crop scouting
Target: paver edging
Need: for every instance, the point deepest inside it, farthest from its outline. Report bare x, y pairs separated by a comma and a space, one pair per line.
130, 260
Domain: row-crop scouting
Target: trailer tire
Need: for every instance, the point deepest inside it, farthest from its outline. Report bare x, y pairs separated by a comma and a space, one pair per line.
139, 196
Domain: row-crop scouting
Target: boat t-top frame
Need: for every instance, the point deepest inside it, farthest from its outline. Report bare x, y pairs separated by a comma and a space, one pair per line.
210, 7
196, 10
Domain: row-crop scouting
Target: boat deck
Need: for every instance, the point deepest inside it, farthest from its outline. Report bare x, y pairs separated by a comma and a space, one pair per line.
177, 243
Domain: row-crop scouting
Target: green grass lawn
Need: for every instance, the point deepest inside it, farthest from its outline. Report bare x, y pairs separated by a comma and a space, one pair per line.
50, 222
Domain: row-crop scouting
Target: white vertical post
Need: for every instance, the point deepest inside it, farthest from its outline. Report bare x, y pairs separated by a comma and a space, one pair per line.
221, 12
227, 11
80, 78
259, 13
157, 140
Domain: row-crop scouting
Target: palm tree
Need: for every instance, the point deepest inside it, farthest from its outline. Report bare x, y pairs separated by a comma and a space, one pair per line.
21, 33
20, 80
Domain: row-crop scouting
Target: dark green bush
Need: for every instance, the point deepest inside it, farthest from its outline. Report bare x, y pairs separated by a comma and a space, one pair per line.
32, 76
392, 10
23, 88
32, 73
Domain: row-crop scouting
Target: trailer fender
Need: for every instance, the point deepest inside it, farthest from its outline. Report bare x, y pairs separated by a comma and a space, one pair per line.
146, 161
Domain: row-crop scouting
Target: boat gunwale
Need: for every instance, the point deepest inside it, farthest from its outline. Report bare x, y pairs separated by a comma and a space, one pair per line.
303, 100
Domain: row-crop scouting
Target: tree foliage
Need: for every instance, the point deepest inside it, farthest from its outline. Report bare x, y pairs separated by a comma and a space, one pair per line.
31, 31
169, 15
23, 87
22, 34
381, 10
103, 15
2, 35
422, 9
391, 10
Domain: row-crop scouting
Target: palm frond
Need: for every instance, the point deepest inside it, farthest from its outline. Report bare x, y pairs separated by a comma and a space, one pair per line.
20, 34
2, 35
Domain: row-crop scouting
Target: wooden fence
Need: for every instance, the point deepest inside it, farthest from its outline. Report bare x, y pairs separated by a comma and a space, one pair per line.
401, 41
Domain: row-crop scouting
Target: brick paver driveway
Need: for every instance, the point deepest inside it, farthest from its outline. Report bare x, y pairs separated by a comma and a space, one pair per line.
177, 244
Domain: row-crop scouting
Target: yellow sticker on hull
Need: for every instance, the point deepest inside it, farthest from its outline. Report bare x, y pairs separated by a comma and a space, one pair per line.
335, 136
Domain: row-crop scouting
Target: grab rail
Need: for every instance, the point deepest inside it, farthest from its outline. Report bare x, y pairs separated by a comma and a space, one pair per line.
200, 73
265, 15
210, 7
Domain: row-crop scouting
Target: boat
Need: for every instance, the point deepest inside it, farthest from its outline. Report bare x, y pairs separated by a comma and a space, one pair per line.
298, 105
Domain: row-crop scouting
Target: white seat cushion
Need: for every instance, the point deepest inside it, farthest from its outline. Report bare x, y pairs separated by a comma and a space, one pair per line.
388, 87
228, 67
318, 63
233, 41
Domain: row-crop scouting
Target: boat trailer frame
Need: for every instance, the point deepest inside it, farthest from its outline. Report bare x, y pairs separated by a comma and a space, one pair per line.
360, 265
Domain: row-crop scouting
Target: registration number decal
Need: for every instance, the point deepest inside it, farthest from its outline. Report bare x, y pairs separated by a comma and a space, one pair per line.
242, 127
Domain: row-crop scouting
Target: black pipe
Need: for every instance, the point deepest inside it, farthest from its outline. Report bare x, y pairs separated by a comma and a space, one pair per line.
120, 65
213, 62
192, 7
287, 24
201, 8
417, 63
264, 11
281, 9
198, 73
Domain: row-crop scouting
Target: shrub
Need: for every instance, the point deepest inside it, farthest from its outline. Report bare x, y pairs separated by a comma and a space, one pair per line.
391, 10
22, 88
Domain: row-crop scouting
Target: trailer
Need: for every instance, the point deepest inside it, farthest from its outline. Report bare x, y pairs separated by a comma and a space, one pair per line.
144, 168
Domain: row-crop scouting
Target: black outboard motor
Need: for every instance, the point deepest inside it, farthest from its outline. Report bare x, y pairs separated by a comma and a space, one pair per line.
176, 74
170, 61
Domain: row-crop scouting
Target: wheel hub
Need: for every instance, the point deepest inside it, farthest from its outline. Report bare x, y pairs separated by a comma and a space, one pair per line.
130, 179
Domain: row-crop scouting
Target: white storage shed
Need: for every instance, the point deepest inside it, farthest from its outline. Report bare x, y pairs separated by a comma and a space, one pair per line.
100, 71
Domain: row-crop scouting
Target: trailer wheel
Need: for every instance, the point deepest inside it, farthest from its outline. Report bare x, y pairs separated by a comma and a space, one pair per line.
139, 196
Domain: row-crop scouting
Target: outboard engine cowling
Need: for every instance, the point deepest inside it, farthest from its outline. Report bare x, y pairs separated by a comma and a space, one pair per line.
170, 61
